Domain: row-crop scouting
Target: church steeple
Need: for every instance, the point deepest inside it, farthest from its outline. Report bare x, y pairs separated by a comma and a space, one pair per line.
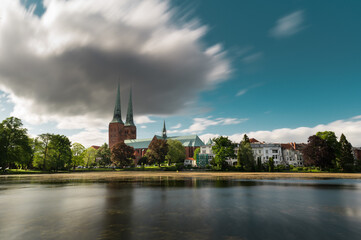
117, 117
164, 132
129, 121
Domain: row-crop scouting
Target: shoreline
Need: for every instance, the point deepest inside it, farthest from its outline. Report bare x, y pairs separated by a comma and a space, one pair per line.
134, 176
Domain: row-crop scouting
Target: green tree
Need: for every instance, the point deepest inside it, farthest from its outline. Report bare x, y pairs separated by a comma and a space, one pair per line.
122, 154
59, 152
245, 158
196, 152
347, 160
271, 164
331, 141
78, 154
13, 141
176, 152
318, 153
259, 164
42, 150
25, 155
157, 151
89, 156
104, 154
223, 149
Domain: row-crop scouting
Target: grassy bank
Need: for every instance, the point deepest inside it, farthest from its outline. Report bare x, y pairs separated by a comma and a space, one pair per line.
33, 171
164, 175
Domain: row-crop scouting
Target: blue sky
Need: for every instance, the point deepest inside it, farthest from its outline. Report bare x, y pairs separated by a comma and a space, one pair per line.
292, 68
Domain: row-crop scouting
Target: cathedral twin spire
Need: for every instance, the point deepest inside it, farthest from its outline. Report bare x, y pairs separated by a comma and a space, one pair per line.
117, 117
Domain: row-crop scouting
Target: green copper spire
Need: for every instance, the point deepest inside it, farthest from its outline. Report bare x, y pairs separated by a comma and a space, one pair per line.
117, 117
129, 121
164, 132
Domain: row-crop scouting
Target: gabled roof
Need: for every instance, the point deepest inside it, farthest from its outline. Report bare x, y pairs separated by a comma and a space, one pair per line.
138, 143
253, 140
187, 141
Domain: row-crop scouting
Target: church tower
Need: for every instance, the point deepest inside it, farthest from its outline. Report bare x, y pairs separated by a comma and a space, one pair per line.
130, 128
164, 132
118, 132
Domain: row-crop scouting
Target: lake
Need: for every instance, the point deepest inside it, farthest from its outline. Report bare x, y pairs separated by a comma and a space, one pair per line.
182, 209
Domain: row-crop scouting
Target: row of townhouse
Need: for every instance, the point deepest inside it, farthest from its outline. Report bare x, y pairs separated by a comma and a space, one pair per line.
286, 154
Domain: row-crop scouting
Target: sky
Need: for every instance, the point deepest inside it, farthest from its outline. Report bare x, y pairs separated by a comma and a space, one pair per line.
279, 71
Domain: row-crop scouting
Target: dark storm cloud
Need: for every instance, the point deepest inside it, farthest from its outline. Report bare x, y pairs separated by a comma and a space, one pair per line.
68, 61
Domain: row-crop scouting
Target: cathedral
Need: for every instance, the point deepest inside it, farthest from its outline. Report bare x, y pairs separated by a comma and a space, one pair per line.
118, 131
127, 133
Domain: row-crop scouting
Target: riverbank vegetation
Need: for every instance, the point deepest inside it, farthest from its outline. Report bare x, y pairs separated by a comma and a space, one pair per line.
47, 152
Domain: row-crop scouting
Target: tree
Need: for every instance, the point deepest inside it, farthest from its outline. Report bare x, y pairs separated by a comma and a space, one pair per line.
13, 140
78, 154
104, 154
43, 148
318, 153
245, 158
346, 160
89, 156
331, 140
259, 164
196, 152
271, 164
223, 148
25, 155
122, 154
157, 151
176, 152
59, 152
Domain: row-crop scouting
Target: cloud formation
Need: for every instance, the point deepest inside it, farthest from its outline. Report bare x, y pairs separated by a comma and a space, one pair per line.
67, 62
201, 124
288, 25
350, 127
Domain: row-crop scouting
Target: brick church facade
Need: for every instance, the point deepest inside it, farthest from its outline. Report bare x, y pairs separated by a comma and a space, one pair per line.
127, 132
118, 131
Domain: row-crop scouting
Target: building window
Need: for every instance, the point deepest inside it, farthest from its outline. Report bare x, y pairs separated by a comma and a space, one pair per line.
266, 151
274, 151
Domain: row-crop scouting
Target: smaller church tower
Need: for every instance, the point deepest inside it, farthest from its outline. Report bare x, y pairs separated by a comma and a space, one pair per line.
164, 132
130, 129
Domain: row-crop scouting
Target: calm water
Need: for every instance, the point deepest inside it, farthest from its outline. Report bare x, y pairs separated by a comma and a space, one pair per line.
190, 209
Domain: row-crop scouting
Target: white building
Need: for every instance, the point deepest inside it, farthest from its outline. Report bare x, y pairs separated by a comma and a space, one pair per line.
292, 154
265, 151
286, 154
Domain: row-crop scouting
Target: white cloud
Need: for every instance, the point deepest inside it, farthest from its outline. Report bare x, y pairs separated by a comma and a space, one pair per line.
207, 136
143, 126
143, 120
252, 58
351, 128
241, 92
288, 25
201, 124
90, 137
245, 90
179, 125
72, 55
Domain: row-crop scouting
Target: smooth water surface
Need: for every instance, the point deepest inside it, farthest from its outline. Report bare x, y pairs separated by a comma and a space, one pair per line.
187, 209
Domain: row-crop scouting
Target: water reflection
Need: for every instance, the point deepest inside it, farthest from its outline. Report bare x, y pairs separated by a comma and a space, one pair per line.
182, 209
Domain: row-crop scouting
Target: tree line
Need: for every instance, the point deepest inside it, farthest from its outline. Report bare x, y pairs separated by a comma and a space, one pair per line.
47, 152
159, 151
322, 151
54, 152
